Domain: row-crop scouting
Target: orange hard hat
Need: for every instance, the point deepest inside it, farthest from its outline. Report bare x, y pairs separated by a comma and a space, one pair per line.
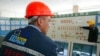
37, 9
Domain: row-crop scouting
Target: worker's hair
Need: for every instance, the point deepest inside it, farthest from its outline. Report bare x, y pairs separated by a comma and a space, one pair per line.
32, 19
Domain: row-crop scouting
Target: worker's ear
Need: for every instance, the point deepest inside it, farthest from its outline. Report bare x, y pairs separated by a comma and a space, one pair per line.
39, 21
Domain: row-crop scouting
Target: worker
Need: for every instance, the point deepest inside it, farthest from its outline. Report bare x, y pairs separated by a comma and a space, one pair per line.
31, 40
93, 31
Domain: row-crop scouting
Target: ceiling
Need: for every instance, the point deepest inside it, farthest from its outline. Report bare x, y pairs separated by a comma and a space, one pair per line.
16, 8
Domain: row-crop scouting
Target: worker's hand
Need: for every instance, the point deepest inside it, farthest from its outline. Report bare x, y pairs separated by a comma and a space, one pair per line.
87, 21
80, 27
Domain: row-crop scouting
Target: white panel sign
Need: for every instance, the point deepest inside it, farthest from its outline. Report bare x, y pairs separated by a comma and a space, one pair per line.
68, 28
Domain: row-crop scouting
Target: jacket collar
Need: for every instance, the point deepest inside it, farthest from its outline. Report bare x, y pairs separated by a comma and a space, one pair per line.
35, 27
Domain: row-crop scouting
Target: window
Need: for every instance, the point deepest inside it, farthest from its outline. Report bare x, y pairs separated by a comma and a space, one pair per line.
2, 22
7, 22
3, 27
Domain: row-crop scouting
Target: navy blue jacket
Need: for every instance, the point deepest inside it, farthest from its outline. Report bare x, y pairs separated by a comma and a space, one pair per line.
93, 34
28, 37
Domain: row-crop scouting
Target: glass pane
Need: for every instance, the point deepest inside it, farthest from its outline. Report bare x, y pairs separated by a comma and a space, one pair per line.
22, 26
23, 22
13, 22
83, 50
7, 22
62, 49
26, 22
98, 19
13, 27
17, 22
7, 27
17, 27
3, 27
2, 22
